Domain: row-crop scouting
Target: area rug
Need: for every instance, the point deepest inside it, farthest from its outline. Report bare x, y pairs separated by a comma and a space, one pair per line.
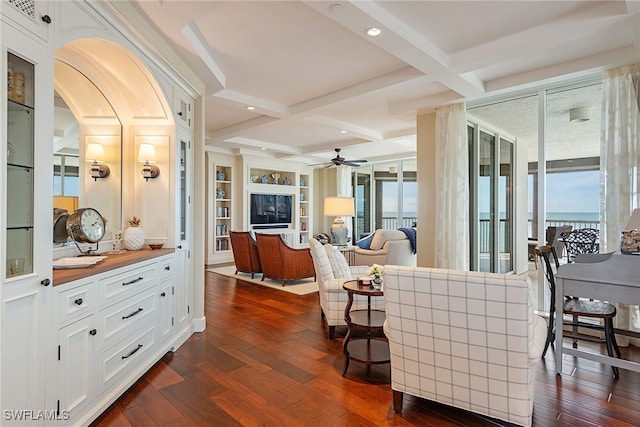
298, 287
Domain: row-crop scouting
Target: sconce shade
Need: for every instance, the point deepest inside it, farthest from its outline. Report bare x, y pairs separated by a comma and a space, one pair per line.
147, 155
580, 114
339, 207
95, 155
95, 152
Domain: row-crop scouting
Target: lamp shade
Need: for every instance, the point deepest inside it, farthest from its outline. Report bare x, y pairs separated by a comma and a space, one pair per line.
95, 152
634, 221
339, 206
146, 153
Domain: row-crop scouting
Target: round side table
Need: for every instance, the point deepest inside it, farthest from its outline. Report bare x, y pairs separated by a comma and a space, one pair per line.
372, 347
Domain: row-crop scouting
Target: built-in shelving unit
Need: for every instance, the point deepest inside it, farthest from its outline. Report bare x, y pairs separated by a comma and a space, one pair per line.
222, 208
305, 209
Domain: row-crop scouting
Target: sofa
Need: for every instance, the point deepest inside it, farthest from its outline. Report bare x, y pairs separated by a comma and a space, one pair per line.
332, 271
465, 339
385, 247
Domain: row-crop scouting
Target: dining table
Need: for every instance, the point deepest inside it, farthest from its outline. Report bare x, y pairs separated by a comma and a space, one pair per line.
611, 277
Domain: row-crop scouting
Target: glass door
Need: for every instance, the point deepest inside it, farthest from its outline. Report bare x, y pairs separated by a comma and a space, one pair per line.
491, 201
20, 161
362, 182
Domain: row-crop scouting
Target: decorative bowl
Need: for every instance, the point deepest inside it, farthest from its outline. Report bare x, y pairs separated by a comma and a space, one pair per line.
156, 245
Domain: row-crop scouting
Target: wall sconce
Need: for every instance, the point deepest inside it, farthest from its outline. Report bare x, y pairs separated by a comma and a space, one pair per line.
147, 155
95, 154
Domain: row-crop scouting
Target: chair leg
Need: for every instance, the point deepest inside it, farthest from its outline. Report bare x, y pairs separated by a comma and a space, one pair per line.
550, 334
575, 332
252, 274
332, 332
608, 339
397, 401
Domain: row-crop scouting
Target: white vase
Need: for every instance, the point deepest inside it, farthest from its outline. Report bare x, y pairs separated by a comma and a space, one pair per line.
133, 238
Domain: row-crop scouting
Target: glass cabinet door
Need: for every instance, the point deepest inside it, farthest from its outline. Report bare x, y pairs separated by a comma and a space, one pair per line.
20, 156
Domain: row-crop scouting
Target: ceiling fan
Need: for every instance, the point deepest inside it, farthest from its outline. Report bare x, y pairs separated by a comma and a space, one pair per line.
340, 161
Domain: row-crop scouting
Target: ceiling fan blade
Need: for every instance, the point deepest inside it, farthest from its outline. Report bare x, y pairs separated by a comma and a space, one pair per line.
352, 163
329, 165
320, 164
358, 161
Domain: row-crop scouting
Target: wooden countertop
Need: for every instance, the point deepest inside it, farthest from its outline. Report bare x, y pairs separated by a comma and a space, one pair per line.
111, 262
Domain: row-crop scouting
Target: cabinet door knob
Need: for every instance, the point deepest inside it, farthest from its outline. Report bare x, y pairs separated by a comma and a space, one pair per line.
79, 301
46, 18
179, 246
180, 113
167, 268
93, 332
163, 294
45, 282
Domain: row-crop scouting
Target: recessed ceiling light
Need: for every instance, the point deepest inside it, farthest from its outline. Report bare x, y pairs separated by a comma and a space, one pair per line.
373, 31
250, 107
263, 148
343, 131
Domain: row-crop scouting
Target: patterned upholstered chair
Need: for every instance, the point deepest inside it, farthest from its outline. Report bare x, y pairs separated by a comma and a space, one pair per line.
464, 339
282, 262
333, 298
245, 253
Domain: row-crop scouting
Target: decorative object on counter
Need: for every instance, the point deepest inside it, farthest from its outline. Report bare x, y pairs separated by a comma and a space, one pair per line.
630, 242
301, 182
286, 181
254, 178
275, 177
220, 176
301, 197
155, 246
86, 225
375, 272
265, 180
134, 235
220, 193
116, 247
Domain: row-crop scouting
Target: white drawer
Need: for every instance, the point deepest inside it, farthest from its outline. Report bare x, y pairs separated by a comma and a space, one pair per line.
123, 318
117, 361
75, 302
115, 288
166, 267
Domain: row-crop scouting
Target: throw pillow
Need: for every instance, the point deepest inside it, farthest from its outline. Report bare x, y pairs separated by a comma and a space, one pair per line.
365, 242
338, 263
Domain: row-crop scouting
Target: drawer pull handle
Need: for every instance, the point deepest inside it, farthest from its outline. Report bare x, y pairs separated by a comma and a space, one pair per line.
131, 282
78, 301
132, 314
93, 332
168, 267
134, 351
163, 294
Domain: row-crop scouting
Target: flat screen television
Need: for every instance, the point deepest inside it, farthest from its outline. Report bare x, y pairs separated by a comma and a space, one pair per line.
270, 209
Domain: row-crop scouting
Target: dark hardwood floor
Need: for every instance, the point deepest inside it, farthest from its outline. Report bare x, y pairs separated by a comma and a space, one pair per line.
265, 360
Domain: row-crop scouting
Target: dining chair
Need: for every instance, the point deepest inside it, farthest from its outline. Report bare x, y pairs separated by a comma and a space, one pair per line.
580, 241
577, 308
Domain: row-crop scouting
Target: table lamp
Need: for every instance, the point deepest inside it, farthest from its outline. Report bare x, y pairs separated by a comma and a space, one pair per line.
634, 221
339, 207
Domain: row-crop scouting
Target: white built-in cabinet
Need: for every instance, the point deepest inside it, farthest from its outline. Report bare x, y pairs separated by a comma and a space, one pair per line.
25, 163
111, 328
67, 352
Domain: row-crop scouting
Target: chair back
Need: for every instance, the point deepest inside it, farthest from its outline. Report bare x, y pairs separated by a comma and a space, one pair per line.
581, 241
270, 254
245, 252
553, 237
549, 258
321, 262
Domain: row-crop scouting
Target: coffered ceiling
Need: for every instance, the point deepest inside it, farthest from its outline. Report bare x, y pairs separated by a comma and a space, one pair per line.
317, 81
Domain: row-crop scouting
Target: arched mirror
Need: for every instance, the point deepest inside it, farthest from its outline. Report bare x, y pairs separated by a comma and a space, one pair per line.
87, 152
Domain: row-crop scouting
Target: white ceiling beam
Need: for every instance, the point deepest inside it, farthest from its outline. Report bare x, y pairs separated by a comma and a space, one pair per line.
240, 128
351, 129
423, 105
262, 106
269, 146
206, 52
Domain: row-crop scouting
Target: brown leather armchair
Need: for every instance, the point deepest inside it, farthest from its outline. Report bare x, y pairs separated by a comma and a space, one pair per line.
282, 262
245, 253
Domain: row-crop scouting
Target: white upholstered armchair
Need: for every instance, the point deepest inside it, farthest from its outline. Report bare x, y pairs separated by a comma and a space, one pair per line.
332, 271
465, 339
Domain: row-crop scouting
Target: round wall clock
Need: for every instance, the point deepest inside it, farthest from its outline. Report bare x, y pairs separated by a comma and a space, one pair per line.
86, 225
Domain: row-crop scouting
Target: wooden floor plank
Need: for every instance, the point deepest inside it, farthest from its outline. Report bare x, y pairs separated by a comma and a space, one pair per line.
265, 360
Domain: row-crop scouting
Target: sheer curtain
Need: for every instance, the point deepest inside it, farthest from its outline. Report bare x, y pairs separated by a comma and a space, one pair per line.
452, 200
620, 164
